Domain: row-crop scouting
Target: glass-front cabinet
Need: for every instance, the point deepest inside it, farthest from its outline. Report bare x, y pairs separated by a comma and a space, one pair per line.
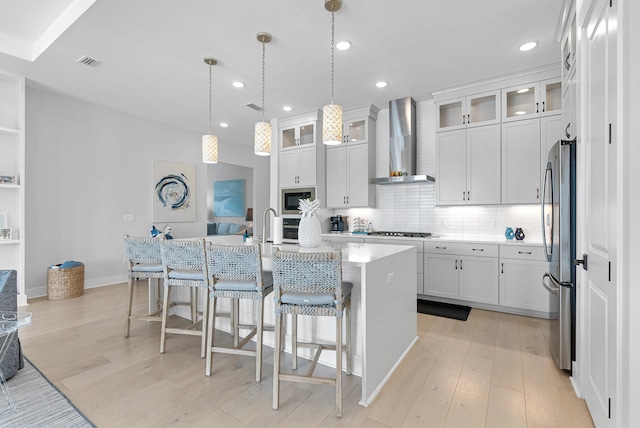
532, 100
470, 111
359, 124
298, 135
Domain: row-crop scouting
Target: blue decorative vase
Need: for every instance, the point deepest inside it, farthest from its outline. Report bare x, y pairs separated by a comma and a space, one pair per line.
519, 234
509, 233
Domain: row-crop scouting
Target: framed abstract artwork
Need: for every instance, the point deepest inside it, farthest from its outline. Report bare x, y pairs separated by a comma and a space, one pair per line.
174, 192
228, 198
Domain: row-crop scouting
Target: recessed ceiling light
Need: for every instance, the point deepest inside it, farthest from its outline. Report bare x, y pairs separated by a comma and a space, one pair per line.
343, 45
527, 46
238, 84
381, 84
520, 112
224, 124
523, 90
287, 108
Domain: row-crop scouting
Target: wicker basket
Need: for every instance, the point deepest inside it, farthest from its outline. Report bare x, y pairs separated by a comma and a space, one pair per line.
65, 283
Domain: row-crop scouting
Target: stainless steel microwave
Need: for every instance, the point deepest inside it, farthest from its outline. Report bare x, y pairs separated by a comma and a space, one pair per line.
291, 199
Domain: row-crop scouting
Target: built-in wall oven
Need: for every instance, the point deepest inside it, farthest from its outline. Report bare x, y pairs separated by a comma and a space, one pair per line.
291, 199
290, 229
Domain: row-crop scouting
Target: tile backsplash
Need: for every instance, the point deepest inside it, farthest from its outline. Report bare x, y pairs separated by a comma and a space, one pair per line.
411, 207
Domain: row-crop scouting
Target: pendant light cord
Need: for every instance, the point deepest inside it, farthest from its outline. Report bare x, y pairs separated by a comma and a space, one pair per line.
332, 56
210, 110
263, 61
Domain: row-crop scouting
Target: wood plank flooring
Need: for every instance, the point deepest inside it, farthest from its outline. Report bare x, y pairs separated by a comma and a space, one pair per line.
493, 370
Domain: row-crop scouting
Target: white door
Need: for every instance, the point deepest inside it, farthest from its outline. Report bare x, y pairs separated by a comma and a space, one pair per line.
451, 168
483, 165
357, 175
441, 275
336, 176
599, 281
479, 279
288, 168
307, 166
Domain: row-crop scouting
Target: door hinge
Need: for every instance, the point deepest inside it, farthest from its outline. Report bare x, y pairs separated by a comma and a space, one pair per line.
609, 133
582, 262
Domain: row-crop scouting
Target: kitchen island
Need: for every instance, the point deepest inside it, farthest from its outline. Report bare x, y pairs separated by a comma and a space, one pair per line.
384, 320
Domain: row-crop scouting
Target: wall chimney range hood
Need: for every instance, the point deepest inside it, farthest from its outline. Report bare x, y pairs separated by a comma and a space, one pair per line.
403, 144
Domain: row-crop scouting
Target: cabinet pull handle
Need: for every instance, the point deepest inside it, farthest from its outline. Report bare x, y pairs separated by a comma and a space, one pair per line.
566, 130
441, 248
567, 65
538, 193
478, 249
468, 119
456, 264
464, 120
543, 107
524, 252
501, 267
463, 196
460, 264
347, 200
469, 195
537, 108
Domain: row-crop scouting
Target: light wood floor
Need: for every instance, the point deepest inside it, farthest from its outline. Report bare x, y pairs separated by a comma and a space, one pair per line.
493, 370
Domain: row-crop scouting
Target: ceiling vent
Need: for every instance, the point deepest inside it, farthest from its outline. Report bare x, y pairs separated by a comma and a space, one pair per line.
89, 61
253, 106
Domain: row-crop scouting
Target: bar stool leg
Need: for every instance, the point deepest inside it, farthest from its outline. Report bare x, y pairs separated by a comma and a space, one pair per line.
260, 325
347, 313
165, 314
294, 341
276, 362
205, 323
211, 326
339, 367
128, 324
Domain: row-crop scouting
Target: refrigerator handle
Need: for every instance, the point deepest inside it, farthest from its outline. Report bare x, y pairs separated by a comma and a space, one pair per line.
542, 202
551, 289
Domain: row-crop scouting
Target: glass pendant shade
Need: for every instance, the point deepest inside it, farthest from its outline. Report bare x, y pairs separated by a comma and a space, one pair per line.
209, 149
332, 125
262, 141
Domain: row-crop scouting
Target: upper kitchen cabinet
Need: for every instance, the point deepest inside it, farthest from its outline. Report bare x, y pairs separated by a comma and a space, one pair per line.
301, 157
569, 50
532, 100
12, 176
351, 166
469, 111
359, 124
521, 162
468, 166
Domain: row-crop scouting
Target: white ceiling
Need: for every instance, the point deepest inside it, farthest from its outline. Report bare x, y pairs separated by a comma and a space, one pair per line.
152, 52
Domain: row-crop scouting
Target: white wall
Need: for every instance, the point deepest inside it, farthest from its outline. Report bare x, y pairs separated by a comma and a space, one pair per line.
87, 166
411, 207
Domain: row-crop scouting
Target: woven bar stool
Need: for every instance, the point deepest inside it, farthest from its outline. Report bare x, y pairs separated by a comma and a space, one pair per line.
185, 265
235, 272
144, 261
311, 284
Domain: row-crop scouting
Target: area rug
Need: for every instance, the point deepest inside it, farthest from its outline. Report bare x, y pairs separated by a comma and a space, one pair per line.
447, 310
39, 403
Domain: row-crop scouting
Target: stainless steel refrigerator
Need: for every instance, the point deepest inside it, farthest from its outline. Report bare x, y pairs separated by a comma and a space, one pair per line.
559, 232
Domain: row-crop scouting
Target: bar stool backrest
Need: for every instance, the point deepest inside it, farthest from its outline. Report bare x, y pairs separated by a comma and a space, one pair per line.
234, 263
143, 251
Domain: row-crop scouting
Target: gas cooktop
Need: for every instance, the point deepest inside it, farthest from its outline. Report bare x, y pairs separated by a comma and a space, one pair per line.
402, 234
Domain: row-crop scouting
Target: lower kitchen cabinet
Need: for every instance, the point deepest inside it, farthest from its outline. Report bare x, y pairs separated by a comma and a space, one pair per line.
521, 270
453, 271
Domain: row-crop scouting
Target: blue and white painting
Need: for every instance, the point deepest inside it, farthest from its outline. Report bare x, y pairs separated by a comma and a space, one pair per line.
228, 198
173, 192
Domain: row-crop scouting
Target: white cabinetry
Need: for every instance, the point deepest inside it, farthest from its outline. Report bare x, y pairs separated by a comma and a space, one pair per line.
530, 100
521, 270
12, 180
351, 165
521, 162
469, 111
468, 166
301, 157
461, 271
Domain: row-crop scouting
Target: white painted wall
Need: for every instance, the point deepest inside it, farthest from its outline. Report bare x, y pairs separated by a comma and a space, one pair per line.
87, 166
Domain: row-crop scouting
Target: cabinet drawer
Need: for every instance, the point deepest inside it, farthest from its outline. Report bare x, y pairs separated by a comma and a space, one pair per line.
522, 252
462, 249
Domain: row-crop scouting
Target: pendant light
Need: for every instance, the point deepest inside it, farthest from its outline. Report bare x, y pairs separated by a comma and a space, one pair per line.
332, 113
262, 140
210, 141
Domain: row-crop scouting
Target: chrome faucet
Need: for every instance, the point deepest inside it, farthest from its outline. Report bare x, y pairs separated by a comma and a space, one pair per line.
264, 224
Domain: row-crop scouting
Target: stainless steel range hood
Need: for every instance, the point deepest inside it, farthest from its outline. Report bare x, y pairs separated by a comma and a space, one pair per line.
402, 145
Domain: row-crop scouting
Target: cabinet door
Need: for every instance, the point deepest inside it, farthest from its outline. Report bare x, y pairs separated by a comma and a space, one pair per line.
483, 165
483, 109
479, 279
358, 175
521, 162
550, 97
451, 169
521, 285
355, 131
289, 168
550, 132
336, 176
288, 137
441, 275
307, 166
451, 114
521, 102
306, 134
